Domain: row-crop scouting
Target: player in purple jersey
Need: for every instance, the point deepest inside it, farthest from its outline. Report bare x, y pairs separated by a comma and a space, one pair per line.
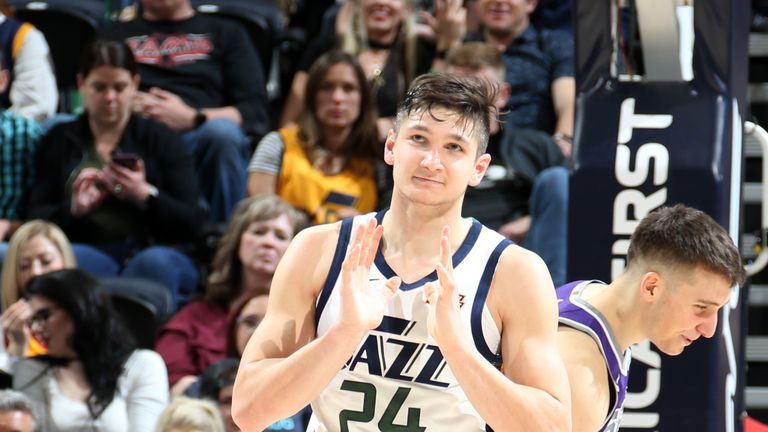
437, 149
681, 266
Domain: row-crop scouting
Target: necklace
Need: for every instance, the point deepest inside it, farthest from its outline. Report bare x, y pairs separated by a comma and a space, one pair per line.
373, 62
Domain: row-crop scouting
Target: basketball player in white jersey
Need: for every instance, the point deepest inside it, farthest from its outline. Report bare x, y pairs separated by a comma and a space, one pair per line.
680, 268
412, 319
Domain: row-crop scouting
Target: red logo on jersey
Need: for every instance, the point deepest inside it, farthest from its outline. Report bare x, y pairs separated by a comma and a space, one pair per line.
171, 50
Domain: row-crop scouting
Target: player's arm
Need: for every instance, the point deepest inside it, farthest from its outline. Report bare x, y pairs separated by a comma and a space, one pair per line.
283, 358
532, 394
588, 377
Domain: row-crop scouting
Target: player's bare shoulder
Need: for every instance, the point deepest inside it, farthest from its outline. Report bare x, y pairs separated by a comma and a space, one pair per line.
310, 255
520, 274
521, 289
588, 376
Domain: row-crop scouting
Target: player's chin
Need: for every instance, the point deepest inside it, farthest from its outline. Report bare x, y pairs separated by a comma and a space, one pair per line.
672, 349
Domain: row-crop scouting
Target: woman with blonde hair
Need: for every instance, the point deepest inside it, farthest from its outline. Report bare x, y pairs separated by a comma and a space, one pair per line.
37, 247
190, 415
382, 35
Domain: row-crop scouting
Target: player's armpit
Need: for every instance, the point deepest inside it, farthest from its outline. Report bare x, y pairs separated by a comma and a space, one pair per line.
588, 377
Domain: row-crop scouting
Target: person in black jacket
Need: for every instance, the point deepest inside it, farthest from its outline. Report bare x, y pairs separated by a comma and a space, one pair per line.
120, 183
201, 77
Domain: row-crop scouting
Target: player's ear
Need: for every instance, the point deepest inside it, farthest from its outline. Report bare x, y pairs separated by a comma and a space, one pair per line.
481, 166
650, 286
389, 145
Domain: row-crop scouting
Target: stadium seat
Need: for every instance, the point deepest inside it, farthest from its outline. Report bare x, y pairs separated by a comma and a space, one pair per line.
139, 303
263, 21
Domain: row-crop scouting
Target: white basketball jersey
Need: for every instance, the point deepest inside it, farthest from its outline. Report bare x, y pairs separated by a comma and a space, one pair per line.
397, 379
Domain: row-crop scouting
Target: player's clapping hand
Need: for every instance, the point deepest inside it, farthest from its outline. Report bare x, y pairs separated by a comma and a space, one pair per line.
444, 321
363, 304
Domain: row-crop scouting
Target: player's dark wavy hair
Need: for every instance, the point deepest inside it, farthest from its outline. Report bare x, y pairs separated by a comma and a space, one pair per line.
110, 53
471, 99
100, 340
684, 236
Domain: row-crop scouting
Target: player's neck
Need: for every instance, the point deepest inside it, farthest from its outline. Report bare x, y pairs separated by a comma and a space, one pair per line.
618, 307
414, 231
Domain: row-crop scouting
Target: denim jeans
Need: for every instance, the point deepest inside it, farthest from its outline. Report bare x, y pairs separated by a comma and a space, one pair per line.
221, 156
548, 234
164, 265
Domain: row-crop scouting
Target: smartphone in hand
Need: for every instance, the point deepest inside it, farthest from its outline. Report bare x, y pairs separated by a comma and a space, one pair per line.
128, 160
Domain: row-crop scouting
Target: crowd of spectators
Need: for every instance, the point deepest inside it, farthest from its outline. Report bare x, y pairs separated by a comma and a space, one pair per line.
182, 178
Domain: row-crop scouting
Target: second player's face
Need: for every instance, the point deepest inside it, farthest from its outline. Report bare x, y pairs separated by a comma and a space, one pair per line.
434, 157
688, 310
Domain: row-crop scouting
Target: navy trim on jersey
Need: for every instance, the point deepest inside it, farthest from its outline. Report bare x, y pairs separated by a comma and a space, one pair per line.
333, 273
479, 303
458, 257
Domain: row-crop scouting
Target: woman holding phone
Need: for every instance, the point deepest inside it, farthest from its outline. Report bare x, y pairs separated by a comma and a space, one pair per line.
120, 183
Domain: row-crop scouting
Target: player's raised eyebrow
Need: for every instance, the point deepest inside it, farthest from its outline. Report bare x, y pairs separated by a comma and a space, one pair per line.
423, 128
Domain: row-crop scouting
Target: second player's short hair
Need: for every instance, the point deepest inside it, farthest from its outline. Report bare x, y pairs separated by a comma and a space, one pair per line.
471, 99
683, 236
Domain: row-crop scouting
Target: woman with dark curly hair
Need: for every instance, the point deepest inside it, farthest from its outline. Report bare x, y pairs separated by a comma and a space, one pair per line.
93, 377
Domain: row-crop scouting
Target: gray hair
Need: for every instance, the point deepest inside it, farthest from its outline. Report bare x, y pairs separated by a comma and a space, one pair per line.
12, 400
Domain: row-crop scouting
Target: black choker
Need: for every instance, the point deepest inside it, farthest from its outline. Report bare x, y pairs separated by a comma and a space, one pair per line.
380, 46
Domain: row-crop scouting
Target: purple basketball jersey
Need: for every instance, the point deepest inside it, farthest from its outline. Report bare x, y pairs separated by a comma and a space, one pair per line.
576, 313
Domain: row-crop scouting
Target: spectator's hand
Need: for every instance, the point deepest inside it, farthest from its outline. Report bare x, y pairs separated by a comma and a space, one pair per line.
442, 298
182, 385
169, 109
14, 322
142, 101
88, 191
363, 304
565, 143
344, 17
449, 24
125, 183
517, 229
5, 228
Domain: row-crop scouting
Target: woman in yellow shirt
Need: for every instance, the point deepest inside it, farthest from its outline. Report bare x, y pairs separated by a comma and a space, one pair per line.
325, 165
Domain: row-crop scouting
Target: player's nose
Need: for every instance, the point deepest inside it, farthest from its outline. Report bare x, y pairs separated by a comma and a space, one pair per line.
708, 326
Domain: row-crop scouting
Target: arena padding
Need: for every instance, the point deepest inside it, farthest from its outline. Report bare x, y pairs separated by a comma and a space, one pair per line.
640, 145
